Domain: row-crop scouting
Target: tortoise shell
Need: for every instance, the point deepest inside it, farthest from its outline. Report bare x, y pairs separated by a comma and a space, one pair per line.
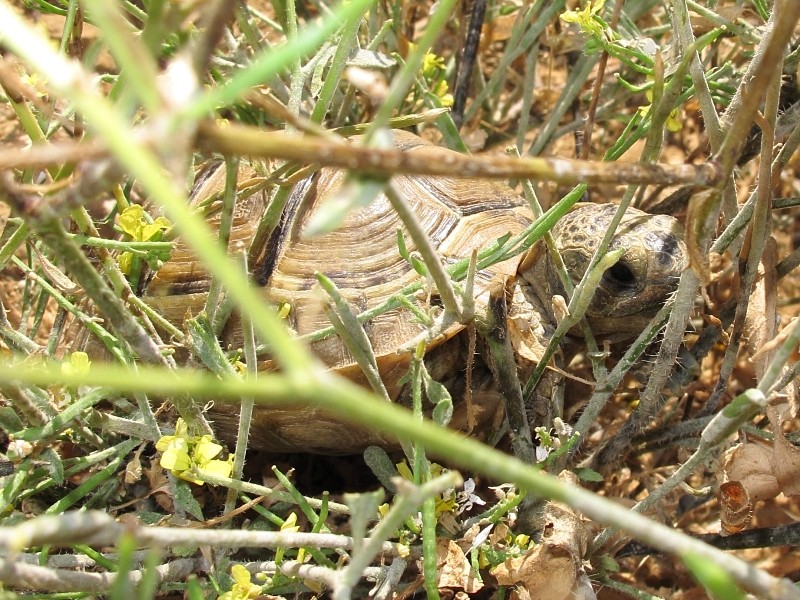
361, 256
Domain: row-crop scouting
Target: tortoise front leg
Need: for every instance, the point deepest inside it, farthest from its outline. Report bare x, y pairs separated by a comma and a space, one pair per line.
500, 357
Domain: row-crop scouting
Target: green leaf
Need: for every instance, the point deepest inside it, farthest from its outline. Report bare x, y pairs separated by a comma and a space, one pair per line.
717, 582
186, 500
441, 399
9, 420
607, 563
585, 474
381, 466
54, 465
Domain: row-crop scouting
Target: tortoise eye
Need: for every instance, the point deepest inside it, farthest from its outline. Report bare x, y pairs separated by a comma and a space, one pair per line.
620, 275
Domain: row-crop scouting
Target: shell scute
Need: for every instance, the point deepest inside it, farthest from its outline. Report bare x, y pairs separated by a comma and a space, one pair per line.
362, 254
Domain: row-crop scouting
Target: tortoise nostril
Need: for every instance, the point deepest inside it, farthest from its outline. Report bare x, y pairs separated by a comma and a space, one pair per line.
620, 275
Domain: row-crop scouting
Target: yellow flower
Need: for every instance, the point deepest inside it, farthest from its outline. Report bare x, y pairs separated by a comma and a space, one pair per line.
175, 456
35, 82
673, 122
522, 540
446, 504
284, 310
137, 224
180, 453
587, 18
78, 364
440, 90
243, 588
181, 431
404, 471
290, 524
432, 65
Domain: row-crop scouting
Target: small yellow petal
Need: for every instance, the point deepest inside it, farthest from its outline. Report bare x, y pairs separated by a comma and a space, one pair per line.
405, 471
570, 16
240, 574
205, 450
125, 261
222, 468
78, 363
674, 122
176, 456
187, 476
164, 441
148, 231
163, 223
131, 220
290, 524
181, 429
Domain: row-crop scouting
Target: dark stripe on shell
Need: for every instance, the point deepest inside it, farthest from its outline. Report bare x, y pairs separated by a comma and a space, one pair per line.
280, 234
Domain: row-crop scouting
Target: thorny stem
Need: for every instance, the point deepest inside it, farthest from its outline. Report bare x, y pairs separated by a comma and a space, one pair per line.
215, 20
98, 528
759, 231
259, 490
685, 37
241, 139
246, 406
739, 114
34, 577
353, 336
226, 221
605, 387
742, 218
403, 80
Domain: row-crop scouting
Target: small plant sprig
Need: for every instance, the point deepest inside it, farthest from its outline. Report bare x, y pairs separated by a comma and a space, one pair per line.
243, 587
137, 225
181, 453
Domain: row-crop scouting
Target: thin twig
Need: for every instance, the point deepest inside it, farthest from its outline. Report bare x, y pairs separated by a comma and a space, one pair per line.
238, 139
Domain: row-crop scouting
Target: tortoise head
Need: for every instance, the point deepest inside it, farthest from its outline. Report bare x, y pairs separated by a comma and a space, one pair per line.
633, 290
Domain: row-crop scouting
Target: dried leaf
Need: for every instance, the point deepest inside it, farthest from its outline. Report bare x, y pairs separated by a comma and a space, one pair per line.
786, 465
777, 341
525, 328
133, 471
785, 456
455, 571
751, 465
60, 281
699, 226
497, 29
762, 313
553, 569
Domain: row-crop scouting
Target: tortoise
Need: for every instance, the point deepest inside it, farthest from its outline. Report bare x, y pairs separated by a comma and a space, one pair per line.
362, 258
